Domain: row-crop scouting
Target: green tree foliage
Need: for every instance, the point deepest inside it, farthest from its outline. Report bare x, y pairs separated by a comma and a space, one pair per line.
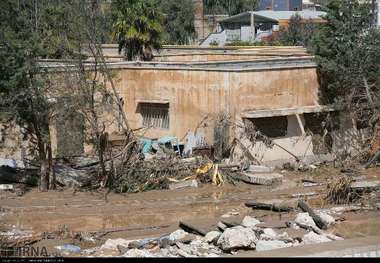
298, 33
137, 27
230, 7
178, 21
23, 91
347, 49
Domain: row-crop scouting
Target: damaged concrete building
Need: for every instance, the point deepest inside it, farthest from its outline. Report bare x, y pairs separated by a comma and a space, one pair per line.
274, 88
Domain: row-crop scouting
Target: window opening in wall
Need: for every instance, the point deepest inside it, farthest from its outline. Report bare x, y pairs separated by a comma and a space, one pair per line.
155, 115
272, 127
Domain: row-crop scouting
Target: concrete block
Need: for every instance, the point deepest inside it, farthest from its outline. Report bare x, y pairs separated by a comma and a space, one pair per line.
185, 184
262, 178
260, 169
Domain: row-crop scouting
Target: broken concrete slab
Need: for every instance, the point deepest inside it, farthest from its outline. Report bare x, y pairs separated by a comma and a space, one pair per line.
264, 245
313, 238
112, 244
237, 237
249, 221
260, 169
213, 236
326, 218
184, 184
262, 178
177, 235
138, 253
365, 185
305, 219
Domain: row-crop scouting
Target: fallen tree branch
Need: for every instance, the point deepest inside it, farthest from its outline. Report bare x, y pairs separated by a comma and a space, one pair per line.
271, 207
317, 219
191, 229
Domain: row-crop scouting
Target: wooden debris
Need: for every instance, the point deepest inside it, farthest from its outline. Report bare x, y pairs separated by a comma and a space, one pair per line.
191, 229
317, 219
271, 207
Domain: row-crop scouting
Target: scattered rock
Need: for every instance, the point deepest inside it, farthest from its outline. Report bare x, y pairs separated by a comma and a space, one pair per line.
111, 244
326, 218
213, 236
177, 235
333, 237
305, 219
187, 239
263, 245
221, 226
237, 237
164, 242
249, 221
268, 234
138, 253
122, 250
313, 238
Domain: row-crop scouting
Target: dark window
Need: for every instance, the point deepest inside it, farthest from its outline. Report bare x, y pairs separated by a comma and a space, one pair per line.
272, 127
155, 115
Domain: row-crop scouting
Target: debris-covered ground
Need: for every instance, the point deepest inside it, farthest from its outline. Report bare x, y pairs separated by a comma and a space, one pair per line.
199, 219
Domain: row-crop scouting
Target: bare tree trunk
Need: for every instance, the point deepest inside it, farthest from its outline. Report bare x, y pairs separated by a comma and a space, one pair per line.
44, 170
368, 93
53, 185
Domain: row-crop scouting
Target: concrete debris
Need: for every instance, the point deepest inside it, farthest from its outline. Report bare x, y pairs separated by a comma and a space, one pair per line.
305, 219
213, 236
249, 221
260, 169
313, 238
365, 185
269, 232
304, 194
112, 244
184, 184
68, 176
262, 178
237, 237
222, 226
333, 237
263, 245
326, 218
177, 235
137, 253
233, 213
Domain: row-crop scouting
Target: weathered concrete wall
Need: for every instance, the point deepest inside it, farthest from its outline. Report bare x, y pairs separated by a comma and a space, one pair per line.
195, 94
208, 57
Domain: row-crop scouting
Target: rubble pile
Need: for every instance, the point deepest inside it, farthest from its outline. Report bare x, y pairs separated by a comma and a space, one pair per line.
221, 240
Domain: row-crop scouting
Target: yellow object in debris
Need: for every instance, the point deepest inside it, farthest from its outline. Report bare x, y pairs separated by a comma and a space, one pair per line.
217, 178
203, 170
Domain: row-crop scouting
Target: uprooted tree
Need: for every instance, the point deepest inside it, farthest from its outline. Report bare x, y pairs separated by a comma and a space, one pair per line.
347, 49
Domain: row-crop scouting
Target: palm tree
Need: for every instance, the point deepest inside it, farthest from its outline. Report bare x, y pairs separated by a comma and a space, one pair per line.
137, 27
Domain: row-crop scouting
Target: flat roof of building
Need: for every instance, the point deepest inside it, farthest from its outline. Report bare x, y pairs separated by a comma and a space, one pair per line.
231, 66
267, 16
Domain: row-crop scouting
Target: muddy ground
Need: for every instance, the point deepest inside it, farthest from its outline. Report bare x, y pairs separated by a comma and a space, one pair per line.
155, 213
